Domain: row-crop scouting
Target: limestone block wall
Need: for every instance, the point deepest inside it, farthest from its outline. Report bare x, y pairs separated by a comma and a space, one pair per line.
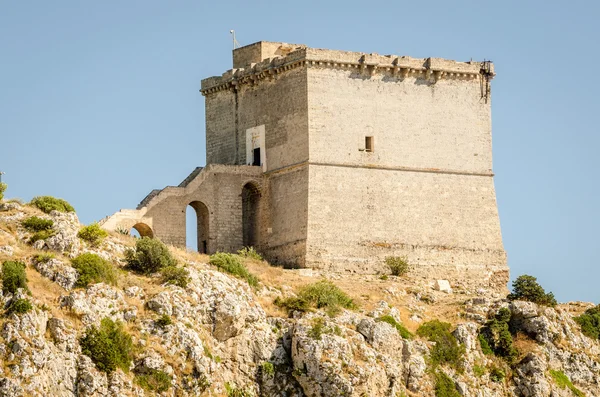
414, 122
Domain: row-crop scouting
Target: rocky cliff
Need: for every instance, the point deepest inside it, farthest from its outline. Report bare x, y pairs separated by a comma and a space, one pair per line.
220, 336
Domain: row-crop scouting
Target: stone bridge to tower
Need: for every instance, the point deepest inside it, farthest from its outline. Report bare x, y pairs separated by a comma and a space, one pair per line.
227, 202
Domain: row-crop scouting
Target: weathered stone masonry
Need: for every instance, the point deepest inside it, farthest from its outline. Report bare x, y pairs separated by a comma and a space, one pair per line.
333, 159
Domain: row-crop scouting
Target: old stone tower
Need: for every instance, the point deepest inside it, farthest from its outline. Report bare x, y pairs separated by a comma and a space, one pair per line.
334, 159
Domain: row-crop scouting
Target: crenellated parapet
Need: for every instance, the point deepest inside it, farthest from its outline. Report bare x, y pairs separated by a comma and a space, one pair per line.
399, 67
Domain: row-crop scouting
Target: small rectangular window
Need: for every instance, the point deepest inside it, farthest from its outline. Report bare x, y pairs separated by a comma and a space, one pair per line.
369, 146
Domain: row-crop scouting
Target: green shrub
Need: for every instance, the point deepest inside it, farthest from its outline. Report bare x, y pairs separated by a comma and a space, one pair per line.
175, 275
93, 269
42, 235
497, 375
154, 380
231, 263
321, 295
36, 224
445, 386
590, 322
233, 391
446, 349
250, 252
495, 337
93, 234
398, 265
163, 321
526, 288
563, 382
150, 255
13, 277
3, 187
43, 258
317, 329
18, 306
268, 369
478, 370
48, 204
399, 327
109, 346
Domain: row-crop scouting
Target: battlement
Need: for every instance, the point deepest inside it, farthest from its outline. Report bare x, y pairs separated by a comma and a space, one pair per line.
265, 60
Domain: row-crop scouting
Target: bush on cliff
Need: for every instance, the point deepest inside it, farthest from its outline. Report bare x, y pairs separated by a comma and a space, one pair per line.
495, 337
398, 265
150, 255
446, 349
526, 288
231, 263
48, 204
321, 295
590, 322
92, 233
93, 269
175, 275
13, 277
109, 346
36, 224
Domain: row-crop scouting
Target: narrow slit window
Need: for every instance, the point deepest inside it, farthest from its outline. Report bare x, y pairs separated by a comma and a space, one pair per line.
369, 146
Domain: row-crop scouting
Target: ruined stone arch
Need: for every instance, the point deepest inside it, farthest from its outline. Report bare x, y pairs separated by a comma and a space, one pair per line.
144, 230
250, 214
203, 226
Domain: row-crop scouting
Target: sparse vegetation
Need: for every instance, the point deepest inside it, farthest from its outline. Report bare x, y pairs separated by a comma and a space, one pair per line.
163, 321
563, 382
399, 327
43, 258
92, 233
233, 391
478, 370
445, 386
109, 346
3, 187
317, 329
590, 322
268, 369
13, 277
446, 349
398, 265
42, 235
36, 224
122, 230
93, 269
320, 295
175, 275
526, 288
250, 253
495, 337
150, 255
18, 306
154, 380
48, 204
231, 263
497, 375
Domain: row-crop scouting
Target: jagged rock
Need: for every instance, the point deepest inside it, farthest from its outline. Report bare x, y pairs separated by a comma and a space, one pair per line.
530, 377
65, 240
54, 269
90, 381
10, 388
95, 303
466, 334
7, 250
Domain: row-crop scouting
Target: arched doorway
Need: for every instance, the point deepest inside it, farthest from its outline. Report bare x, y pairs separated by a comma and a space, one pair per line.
202, 226
250, 208
143, 230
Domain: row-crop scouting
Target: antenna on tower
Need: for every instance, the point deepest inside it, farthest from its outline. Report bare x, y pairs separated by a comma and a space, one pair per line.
235, 42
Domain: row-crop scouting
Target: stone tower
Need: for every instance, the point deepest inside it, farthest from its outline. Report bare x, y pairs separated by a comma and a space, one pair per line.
335, 160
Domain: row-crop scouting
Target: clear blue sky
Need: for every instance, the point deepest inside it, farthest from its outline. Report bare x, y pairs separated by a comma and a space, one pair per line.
99, 101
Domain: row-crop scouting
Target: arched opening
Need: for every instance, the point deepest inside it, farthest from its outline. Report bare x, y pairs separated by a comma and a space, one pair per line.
250, 208
142, 230
201, 227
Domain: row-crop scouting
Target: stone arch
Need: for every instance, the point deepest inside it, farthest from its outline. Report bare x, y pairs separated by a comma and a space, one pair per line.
203, 226
143, 229
250, 214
